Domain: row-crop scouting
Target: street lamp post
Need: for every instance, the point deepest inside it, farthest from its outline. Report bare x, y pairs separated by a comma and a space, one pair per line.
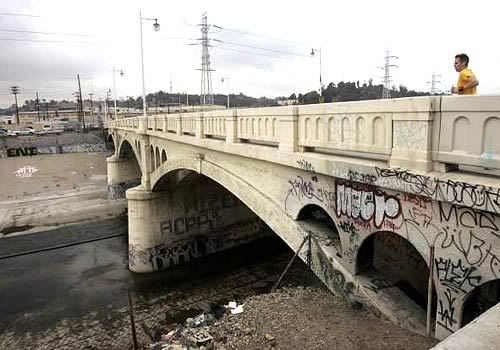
114, 85
313, 52
156, 27
226, 79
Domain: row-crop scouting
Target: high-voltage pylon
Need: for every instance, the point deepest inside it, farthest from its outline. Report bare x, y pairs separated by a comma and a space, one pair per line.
434, 82
206, 97
386, 91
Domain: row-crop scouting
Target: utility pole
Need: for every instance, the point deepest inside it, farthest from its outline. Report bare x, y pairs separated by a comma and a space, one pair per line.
206, 97
80, 103
37, 106
170, 83
91, 105
434, 82
14, 90
386, 91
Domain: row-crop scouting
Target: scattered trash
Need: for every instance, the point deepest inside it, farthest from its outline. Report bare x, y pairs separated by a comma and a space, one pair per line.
269, 337
234, 307
237, 310
201, 337
169, 335
199, 320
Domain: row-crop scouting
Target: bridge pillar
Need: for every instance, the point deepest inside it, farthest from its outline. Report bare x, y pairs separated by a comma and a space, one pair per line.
122, 174
199, 126
146, 161
413, 137
142, 227
289, 131
232, 128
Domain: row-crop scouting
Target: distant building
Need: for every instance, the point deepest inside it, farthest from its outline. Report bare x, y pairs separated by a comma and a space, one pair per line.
287, 102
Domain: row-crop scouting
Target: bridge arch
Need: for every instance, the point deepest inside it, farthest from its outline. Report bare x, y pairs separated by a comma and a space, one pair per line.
393, 261
314, 218
265, 207
126, 150
480, 299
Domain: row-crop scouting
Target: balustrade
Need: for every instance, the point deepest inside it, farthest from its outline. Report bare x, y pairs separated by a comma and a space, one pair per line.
411, 133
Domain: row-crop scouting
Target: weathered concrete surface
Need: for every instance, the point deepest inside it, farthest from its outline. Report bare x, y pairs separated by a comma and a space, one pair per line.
47, 191
481, 334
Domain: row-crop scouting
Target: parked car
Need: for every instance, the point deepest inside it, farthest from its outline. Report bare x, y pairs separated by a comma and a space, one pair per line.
5, 132
25, 131
48, 129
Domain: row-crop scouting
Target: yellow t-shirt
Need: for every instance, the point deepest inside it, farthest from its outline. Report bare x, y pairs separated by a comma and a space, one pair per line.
463, 78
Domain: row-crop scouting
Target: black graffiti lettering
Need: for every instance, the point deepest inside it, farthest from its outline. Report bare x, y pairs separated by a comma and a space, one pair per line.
480, 196
166, 227
467, 217
24, 151
304, 164
455, 276
447, 311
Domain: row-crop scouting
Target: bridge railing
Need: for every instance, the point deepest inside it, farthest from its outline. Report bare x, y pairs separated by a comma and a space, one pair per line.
424, 133
470, 131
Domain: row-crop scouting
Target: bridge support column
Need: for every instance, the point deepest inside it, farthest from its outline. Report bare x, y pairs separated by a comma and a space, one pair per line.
122, 174
143, 228
146, 161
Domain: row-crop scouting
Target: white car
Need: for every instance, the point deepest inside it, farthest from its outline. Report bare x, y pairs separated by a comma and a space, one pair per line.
25, 131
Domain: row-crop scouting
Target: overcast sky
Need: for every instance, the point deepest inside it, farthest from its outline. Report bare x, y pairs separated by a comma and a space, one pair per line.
264, 50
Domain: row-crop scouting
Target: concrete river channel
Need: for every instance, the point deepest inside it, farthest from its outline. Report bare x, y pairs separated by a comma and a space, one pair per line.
60, 288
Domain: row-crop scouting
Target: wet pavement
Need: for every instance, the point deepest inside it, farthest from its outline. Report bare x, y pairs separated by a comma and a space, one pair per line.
75, 295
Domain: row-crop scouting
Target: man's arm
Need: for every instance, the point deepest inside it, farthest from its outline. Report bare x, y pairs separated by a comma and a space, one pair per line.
470, 82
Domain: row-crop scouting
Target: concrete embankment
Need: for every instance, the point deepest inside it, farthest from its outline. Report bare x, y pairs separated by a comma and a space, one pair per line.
43, 191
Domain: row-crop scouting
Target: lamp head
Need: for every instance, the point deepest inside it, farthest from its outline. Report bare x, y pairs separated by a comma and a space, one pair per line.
121, 73
312, 52
156, 25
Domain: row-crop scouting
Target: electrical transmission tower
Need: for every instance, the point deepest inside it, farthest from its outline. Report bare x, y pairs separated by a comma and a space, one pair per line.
14, 90
433, 83
386, 91
206, 97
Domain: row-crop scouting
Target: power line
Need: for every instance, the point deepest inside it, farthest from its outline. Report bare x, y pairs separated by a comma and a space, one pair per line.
257, 35
37, 32
253, 53
17, 14
51, 41
260, 48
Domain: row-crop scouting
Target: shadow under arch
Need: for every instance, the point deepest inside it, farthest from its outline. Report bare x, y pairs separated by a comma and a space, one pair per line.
250, 195
125, 150
109, 143
390, 261
316, 220
479, 300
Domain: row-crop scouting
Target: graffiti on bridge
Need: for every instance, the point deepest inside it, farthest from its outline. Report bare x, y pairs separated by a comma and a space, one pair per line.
458, 192
367, 204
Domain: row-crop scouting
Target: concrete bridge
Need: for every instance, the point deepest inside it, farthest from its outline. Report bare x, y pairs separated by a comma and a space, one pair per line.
379, 194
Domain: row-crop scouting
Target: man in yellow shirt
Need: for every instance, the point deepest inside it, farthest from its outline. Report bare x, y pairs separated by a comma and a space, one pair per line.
467, 82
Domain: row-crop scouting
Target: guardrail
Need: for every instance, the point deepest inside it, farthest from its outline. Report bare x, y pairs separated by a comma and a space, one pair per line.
424, 133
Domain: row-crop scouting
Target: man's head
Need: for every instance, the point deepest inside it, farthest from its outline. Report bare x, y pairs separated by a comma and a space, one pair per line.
461, 62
